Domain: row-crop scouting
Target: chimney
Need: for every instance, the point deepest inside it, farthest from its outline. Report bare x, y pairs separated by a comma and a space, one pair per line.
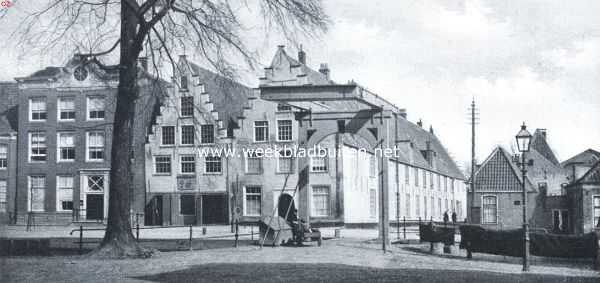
302, 56
431, 129
143, 63
420, 123
324, 69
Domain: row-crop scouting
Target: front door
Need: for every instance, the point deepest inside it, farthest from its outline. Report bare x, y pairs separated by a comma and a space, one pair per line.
95, 207
214, 209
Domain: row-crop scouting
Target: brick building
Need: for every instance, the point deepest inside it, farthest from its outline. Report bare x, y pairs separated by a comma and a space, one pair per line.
559, 197
65, 117
8, 150
583, 192
204, 112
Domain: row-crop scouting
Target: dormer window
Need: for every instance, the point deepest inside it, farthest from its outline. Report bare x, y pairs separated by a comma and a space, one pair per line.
283, 107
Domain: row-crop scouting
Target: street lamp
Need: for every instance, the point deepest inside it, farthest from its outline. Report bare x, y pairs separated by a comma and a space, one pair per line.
523, 141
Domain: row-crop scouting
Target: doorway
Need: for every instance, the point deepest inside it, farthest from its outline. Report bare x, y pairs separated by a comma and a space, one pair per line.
95, 207
214, 209
154, 212
287, 202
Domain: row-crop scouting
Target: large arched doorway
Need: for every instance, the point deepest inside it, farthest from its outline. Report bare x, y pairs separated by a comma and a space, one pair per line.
286, 208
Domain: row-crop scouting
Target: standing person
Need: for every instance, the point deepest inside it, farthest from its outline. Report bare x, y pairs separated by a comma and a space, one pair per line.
454, 217
446, 217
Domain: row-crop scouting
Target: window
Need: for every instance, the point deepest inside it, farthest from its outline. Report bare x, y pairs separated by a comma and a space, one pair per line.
283, 107
596, 211
187, 106
95, 146
187, 205
66, 147
439, 211
424, 178
252, 201
162, 164
432, 206
372, 203
64, 192
416, 176
320, 201
66, 109
284, 130
431, 178
37, 108
95, 183
406, 174
253, 163
37, 188
95, 106
261, 131
207, 134
490, 210
3, 156
285, 162
38, 147
187, 134
184, 83
445, 184
452, 185
372, 166
212, 164
3, 191
560, 220
188, 164
417, 206
168, 135
426, 212
407, 212
318, 164
439, 182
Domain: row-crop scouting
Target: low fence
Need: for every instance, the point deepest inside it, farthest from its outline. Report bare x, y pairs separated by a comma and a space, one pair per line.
190, 235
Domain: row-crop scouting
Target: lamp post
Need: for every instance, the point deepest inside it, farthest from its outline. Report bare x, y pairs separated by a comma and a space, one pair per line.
523, 141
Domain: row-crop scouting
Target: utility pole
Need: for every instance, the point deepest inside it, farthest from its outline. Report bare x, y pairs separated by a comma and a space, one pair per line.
474, 118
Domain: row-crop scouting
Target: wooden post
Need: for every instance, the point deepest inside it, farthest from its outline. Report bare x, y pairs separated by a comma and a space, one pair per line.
404, 220
80, 239
237, 234
191, 237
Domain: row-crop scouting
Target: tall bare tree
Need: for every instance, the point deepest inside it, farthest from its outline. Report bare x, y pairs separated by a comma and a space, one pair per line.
213, 29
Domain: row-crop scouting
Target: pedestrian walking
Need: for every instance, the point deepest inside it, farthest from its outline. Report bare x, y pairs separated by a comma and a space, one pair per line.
454, 217
446, 218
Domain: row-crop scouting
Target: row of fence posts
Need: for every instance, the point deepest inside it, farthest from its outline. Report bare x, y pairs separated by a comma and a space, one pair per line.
403, 228
190, 240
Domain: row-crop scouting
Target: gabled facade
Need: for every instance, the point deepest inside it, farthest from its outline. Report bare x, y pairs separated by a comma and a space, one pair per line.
583, 194
580, 164
342, 188
498, 192
65, 120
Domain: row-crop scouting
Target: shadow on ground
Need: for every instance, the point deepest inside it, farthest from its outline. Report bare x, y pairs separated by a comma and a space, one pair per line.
289, 272
584, 263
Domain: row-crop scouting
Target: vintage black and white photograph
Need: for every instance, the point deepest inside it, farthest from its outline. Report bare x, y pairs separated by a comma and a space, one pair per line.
299, 141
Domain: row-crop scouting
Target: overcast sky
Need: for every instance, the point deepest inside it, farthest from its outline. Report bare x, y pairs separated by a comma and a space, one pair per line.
532, 61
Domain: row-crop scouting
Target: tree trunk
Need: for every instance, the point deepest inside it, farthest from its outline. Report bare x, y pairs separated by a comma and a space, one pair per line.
118, 240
